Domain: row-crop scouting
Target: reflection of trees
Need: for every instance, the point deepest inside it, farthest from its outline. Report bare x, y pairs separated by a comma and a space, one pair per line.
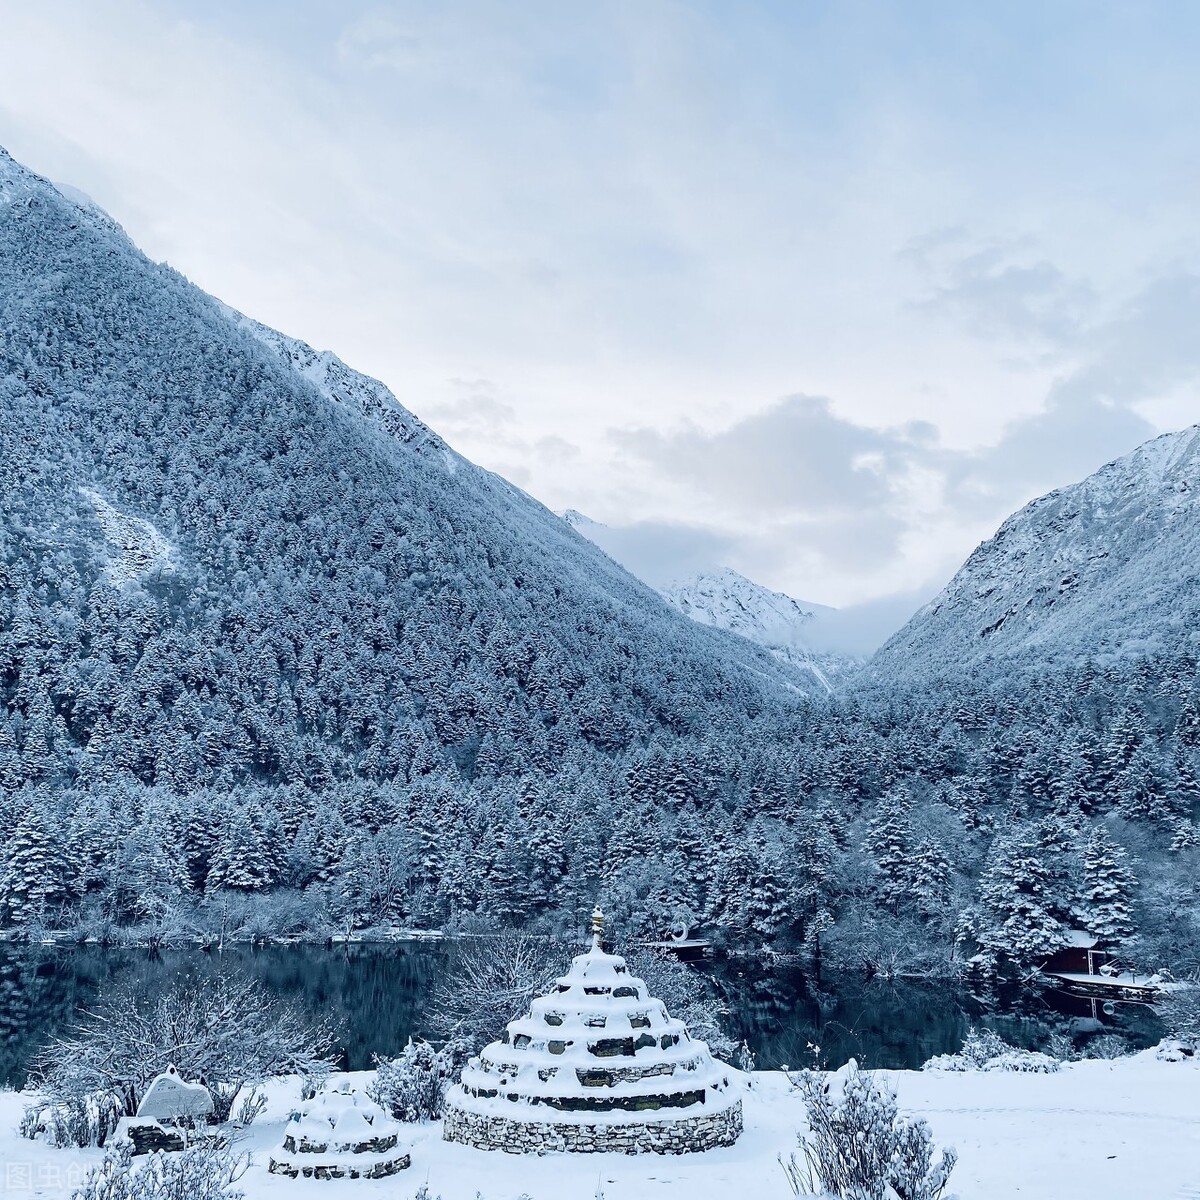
783, 1012
41, 989
376, 995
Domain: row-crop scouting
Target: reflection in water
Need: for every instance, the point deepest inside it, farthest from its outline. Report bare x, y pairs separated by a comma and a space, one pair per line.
375, 996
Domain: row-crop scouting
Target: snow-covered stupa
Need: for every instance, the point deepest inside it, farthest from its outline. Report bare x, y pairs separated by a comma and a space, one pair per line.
340, 1135
596, 1065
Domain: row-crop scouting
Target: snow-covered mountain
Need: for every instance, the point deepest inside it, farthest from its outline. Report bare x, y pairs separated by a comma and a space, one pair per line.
730, 601
791, 629
342, 385
1103, 568
795, 631
309, 584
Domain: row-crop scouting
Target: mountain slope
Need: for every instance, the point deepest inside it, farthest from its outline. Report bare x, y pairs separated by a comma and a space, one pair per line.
1105, 568
332, 594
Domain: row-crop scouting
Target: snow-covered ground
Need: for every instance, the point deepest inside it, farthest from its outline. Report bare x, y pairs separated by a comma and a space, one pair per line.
1127, 1129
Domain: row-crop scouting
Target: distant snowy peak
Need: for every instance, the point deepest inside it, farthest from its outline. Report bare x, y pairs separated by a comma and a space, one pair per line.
344, 386
578, 520
791, 629
731, 601
1104, 567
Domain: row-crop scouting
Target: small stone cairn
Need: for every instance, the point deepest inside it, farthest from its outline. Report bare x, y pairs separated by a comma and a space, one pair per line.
595, 1065
168, 1115
340, 1135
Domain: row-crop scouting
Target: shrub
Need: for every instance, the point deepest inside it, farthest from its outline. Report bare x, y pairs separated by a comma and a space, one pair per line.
1107, 1045
858, 1146
199, 1173
74, 1117
1180, 1013
227, 1031
984, 1050
490, 980
413, 1086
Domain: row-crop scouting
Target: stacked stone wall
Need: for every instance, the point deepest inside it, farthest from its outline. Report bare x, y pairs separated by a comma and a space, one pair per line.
683, 1136
344, 1169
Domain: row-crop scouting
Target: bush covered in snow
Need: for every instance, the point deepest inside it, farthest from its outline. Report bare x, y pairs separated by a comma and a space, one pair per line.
858, 1147
1180, 1013
491, 980
226, 1030
1108, 1046
985, 1050
412, 1086
199, 1173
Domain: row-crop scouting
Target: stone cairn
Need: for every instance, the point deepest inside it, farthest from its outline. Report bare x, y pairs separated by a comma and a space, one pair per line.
596, 1065
340, 1135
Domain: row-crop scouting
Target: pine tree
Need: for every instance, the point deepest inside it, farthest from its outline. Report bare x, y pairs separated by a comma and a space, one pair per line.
1142, 792
889, 843
239, 860
930, 878
34, 874
1104, 907
1017, 900
148, 873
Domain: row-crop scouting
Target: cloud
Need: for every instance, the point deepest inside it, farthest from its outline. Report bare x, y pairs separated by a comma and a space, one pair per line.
799, 492
476, 412
803, 482
797, 456
663, 552
1000, 289
378, 40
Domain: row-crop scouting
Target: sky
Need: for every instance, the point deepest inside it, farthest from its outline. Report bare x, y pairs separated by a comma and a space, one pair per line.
818, 291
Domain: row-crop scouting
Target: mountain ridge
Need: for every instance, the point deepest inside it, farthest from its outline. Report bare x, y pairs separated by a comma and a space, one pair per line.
1099, 568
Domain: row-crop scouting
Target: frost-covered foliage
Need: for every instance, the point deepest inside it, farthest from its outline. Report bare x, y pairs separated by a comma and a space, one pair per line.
73, 1115
198, 1173
986, 1050
858, 1147
226, 1030
490, 980
412, 1086
1107, 1046
1180, 1013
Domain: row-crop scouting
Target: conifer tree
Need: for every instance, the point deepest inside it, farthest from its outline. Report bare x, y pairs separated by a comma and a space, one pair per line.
1017, 901
1104, 907
889, 843
239, 859
33, 877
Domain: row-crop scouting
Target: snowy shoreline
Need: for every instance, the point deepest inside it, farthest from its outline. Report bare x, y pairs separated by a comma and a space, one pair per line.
1095, 1130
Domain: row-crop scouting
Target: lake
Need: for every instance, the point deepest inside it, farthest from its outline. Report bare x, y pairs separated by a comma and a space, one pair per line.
376, 996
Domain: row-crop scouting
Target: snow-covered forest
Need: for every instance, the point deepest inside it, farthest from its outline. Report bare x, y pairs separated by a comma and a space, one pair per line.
274, 659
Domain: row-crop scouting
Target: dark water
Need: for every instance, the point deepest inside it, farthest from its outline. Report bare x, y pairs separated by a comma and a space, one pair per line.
376, 997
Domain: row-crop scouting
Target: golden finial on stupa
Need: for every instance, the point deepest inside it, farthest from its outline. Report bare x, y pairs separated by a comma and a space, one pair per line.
597, 926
